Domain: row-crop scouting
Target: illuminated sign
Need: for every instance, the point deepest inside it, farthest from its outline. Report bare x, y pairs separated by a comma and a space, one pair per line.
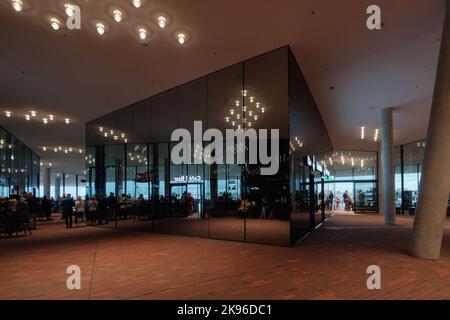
184, 179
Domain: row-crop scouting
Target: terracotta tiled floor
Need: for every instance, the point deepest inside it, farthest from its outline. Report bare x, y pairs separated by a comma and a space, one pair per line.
330, 264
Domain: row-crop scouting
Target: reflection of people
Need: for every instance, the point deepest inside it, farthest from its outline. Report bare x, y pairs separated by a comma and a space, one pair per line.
329, 201
338, 202
361, 198
265, 208
67, 210
190, 204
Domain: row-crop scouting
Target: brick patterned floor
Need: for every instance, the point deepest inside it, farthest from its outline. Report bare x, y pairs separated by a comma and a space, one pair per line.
330, 264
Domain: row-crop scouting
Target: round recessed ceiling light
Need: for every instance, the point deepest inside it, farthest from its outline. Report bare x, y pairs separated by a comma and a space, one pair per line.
137, 3
117, 15
55, 23
181, 37
17, 5
143, 33
100, 28
162, 22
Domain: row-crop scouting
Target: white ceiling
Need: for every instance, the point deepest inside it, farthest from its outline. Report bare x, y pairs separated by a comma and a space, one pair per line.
79, 75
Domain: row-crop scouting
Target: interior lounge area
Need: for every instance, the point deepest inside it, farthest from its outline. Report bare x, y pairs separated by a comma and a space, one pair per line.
270, 152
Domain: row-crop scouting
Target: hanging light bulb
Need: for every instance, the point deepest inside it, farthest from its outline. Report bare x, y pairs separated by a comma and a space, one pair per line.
8, 114
33, 113
67, 121
117, 15
55, 23
51, 117
100, 28
255, 117
232, 111
263, 110
100, 129
44, 148
137, 3
227, 119
181, 37
45, 120
142, 33
17, 5
162, 22
258, 104
27, 117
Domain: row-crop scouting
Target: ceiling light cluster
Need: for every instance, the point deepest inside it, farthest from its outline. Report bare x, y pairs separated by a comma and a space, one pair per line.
421, 144
90, 159
45, 118
376, 134
347, 159
118, 14
114, 134
62, 149
245, 112
296, 144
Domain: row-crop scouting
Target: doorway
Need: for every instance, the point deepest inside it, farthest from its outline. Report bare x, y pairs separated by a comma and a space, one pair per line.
179, 200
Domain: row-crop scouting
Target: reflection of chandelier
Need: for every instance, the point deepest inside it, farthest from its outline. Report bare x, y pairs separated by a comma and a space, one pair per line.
297, 144
346, 159
246, 112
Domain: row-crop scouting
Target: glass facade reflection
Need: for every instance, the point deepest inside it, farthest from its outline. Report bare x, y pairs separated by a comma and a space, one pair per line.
128, 154
20, 166
408, 171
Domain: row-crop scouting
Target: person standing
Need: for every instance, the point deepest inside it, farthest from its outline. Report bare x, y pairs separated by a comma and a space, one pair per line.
67, 210
92, 210
80, 207
47, 208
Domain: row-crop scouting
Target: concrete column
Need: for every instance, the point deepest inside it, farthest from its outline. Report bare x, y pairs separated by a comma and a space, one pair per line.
435, 183
46, 182
58, 187
387, 158
380, 183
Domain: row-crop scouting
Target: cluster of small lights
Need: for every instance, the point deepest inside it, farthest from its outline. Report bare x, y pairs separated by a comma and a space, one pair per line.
90, 159
114, 134
143, 33
246, 112
421, 144
297, 144
34, 115
376, 134
346, 159
139, 158
3, 145
49, 165
10, 170
65, 150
